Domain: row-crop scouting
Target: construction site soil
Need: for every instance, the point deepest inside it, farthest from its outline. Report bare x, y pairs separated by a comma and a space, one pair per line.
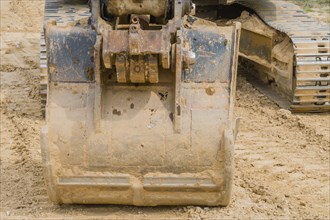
282, 168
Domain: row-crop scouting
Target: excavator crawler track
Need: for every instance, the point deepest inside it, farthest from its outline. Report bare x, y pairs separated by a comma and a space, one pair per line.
311, 41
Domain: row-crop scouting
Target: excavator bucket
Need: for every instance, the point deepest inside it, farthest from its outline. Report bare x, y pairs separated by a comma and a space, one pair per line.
143, 115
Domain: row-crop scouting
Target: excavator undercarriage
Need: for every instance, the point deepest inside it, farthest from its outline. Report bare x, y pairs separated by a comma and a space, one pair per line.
289, 50
139, 95
282, 47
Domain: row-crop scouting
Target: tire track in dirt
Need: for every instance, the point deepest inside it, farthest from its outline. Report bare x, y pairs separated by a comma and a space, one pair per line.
20, 90
22, 187
22, 184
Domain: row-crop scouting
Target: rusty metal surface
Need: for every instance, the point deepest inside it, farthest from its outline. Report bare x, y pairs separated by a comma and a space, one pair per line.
254, 44
157, 8
213, 2
139, 42
136, 53
211, 53
70, 53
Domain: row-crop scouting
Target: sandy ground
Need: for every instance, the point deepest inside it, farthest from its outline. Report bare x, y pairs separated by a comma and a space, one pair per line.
319, 9
282, 160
